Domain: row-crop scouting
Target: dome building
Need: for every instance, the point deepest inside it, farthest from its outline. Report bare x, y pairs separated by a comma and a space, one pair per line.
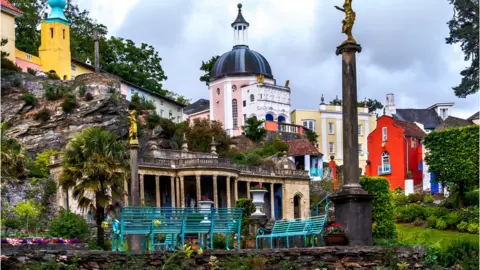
242, 85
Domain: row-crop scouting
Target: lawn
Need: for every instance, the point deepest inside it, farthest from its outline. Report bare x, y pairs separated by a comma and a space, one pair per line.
419, 235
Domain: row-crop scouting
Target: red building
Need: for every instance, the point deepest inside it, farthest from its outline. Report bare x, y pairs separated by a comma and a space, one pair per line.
394, 149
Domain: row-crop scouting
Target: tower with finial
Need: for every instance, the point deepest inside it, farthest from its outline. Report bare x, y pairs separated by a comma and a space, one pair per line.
240, 28
54, 49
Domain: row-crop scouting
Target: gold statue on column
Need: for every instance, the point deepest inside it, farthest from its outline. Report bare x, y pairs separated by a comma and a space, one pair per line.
260, 78
348, 21
133, 133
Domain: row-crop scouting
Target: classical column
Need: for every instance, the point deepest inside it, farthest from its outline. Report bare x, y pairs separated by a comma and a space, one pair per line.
142, 190
229, 199
248, 189
182, 192
199, 191
177, 186
172, 190
157, 189
215, 193
135, 240
125, 195
235, 189
272, 204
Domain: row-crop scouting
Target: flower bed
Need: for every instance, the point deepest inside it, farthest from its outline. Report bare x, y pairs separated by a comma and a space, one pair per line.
39, 240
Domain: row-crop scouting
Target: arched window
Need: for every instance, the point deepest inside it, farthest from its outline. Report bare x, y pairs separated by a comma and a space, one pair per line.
281, 118
385, 168
252, 98
234, 88
235, 113
269, 117
218, 91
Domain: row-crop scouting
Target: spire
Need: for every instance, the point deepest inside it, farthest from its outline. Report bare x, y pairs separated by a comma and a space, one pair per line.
240, 29
57, 14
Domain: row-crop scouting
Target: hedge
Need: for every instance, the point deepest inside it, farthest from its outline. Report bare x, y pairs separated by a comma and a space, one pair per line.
382, 212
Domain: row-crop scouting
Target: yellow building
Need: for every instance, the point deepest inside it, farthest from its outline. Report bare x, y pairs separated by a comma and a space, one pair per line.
327, 124
9, 13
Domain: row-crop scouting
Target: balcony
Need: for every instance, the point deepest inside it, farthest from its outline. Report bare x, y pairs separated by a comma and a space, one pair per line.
384, 169
284, 127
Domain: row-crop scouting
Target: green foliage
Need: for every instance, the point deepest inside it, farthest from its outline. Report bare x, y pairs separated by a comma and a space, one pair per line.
68, 225
56, 92
26, 34
206, 67
471, 197
29, 99
14, 160
473, 228
50, 265
43, 160
462, 226
17, 82
53, 76
69, 103
463, 253
253, 129
382, 213
82, 90
441, 224
253, 159
140, 103
25, 210
409, 212
43, 115
372, 104
312, 136
199, 135
7, 64
153, 120
428, 198
12, 223
248, 209
464, 30
460, 145
32, 71
453, 218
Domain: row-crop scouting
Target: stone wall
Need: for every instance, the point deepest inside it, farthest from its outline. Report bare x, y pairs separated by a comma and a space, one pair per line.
304, 258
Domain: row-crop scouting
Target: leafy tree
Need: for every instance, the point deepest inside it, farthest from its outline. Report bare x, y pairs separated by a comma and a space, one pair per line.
453, 157
336, 101
43, 160
253, 129
207, 68
464, 30
199, 135
312, 136
2, 53
14, 161
27, 35
372, 104
94, 162
27, 210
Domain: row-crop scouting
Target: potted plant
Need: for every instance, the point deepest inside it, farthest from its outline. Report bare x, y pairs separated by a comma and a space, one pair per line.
205, 207
195, 244
242, 241
250, 241
258, 194
335, 235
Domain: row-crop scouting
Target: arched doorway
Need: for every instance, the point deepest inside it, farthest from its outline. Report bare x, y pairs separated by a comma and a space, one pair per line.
297, 205
269, 117
281, 119
64, 77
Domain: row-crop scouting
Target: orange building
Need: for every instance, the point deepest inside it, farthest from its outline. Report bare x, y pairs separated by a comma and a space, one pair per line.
395, 149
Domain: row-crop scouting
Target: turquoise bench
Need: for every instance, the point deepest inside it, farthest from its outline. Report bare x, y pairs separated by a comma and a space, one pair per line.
316, 228
226, 221
298, 227
279, 229
172, 226
133, 221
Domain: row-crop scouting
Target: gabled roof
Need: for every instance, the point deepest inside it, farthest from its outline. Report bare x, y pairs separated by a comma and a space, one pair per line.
11, 9
474, 116
198, 106
301, 147
454, 122
410, 129
428, 117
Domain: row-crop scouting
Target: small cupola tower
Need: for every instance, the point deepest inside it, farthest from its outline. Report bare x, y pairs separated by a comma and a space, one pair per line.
54, 50
240, 29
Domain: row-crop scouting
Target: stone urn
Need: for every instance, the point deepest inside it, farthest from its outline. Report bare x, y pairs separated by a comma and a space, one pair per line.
205, 208
258, 196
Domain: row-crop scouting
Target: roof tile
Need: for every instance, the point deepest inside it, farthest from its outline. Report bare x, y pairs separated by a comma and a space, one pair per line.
410, 129
8, 5
301, 147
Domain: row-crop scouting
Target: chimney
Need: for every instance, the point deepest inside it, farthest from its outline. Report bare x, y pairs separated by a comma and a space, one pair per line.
390, 106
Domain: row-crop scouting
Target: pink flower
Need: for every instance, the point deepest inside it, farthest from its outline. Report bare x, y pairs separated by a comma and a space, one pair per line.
3, 258
13, 241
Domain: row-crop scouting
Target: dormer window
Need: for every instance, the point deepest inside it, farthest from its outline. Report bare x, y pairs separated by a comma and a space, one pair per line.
443, 113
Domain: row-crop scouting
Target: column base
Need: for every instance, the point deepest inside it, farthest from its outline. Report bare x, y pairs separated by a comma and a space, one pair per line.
353, 210
255, 223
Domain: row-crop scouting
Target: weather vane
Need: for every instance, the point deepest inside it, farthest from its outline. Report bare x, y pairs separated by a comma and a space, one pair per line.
348, 21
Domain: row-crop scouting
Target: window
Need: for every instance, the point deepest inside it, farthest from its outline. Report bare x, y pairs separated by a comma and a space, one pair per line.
234, 88
252, 98
63, 33
443, 113
384, 134
310, 124
161, 113
414, 143
234, 113
73, 77
74, 67
244, 118
360, 151
330, 128
385, 168
218, 91
51, 32
29, 57
331, 147
360, 130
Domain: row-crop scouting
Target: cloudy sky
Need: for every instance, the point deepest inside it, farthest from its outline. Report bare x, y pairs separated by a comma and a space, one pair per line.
403, 42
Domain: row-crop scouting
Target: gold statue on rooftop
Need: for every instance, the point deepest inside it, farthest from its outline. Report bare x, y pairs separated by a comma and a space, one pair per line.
133, 133
348, 21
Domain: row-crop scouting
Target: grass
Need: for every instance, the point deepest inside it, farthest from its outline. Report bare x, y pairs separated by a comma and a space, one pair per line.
431, 237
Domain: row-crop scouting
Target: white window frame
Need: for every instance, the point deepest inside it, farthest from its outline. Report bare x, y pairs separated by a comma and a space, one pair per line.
331, 148
235, 113
360, 130
360, 150
28, 57
74, 67
414, 142
309, 123
384, 134
331, 128
252, 98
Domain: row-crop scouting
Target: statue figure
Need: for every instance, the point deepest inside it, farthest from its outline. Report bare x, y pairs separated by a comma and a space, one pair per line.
133, 134
287, 84
348, 21
260, 78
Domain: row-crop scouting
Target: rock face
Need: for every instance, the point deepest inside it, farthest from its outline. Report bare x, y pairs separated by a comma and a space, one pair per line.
107, 109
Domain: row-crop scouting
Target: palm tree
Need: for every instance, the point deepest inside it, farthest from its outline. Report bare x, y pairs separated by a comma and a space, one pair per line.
94, 167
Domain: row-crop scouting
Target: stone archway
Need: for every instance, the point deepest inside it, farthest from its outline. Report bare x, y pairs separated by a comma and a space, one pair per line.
297, 205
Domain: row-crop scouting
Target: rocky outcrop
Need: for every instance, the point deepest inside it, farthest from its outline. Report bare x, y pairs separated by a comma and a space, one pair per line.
107, 109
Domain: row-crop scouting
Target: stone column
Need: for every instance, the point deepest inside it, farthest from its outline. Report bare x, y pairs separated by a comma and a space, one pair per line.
125, 195
215, 193
142, 190
177, 187
272, 202
248, 189
235, 189
182, 192
353, 205
157, 190
172, 190
135, 240
229, 199
199, 190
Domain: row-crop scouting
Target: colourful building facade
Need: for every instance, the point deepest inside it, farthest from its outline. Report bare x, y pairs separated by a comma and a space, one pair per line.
395, 152
8, 14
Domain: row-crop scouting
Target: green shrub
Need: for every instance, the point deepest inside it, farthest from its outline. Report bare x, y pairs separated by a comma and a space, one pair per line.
418, 222
409, 213
68, 225
32, 71
453, 218
56, 92
43, 115
153, 120
428, 198
17, 82
382, 212
53, 76
441, 224
399, 197
88, 96
473, 228
9, 65
248, 209
462, 253
13, 223
462, 226
253, 159
431, 221
82, 90
471, 198
415, 197
140, 103
69, 103
471, 213
29, 99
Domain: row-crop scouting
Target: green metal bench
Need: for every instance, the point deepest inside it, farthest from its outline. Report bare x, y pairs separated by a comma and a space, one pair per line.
172, 226
226, 221
134, 220
197, 221
279, 229
317, 226
298, 227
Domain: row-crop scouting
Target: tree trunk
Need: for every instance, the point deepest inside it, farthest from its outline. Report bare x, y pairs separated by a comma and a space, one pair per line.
100, 214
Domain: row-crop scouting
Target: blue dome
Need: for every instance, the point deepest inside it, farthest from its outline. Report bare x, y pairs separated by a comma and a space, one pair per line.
57, 15
241, 61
